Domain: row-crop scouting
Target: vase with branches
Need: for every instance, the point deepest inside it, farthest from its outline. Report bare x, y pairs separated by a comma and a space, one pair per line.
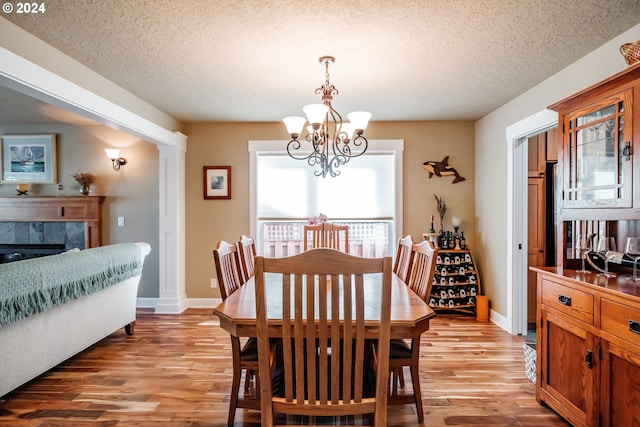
441, 206
85, 179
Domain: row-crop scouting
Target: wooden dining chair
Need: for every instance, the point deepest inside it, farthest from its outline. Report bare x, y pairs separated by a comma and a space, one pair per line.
326, 235
227, 263
404, 258
247, 255
422, 269
313, 236
402, 268
403, 353
324, 367
244, 356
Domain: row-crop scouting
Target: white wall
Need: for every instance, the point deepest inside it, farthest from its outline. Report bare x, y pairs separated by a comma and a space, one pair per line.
491, 156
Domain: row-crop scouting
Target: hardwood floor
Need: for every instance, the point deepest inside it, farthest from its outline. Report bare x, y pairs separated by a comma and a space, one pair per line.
176, 371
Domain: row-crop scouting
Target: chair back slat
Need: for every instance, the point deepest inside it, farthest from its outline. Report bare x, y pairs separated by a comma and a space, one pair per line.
326, 235
422, 269
325, 363
404, 259
312, 236
287, 340
227, 265
312, 338
247, 255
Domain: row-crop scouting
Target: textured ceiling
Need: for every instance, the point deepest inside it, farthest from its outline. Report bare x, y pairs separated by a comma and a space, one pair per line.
257, 60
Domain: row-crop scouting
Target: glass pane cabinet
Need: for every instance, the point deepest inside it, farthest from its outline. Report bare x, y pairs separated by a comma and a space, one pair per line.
598, 183
597, 146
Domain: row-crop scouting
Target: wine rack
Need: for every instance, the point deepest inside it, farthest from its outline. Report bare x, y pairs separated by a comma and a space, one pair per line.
455, 283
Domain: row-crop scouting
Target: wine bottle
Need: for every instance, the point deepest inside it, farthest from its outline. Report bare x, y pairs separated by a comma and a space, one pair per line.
432, 230
445, 240
463, 241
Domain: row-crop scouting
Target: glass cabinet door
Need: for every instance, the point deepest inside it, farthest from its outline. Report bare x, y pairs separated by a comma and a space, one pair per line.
598, 146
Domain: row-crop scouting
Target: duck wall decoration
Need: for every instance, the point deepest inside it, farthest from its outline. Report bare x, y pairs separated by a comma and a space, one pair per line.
442, 168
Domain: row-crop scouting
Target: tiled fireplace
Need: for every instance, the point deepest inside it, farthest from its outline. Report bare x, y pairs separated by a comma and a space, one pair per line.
21, 240
37, 226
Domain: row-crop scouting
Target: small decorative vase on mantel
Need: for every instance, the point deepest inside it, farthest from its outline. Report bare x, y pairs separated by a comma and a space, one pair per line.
85, 179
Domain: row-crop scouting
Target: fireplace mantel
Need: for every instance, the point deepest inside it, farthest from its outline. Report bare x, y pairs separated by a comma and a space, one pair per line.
87, 209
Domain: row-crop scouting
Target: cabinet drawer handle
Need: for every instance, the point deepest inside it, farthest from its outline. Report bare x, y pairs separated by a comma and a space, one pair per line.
588, 359
626, 151
564, 300
634, 326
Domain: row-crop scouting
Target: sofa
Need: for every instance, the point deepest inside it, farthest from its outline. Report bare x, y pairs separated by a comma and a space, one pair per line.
54, 307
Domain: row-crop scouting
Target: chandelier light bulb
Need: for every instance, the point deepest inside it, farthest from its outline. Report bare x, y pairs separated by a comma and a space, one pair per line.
294, 125
316, 114
359, 120
347, 129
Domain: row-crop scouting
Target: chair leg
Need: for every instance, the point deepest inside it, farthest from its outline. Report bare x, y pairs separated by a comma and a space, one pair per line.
394, 381
247, 379
256, 379
415, 378
233, 403
397, 378
401, 377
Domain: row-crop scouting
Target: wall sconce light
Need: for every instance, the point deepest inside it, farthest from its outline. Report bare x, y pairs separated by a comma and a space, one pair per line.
114, 155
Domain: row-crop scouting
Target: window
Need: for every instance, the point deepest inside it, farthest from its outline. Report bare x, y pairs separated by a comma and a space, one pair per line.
367, 196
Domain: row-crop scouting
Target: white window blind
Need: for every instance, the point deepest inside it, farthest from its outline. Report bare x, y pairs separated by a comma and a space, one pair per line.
288, 189
367, 196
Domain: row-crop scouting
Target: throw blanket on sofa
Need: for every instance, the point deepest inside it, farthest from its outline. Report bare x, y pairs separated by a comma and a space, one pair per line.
34, 285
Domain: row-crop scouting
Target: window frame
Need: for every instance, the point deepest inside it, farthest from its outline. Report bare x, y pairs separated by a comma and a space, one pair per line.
394, 147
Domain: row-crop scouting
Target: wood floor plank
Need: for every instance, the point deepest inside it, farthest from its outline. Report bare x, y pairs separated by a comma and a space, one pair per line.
176, 371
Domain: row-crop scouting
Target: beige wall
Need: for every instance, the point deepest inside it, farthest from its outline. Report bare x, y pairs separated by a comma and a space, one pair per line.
491, 156
221, 144
132, 192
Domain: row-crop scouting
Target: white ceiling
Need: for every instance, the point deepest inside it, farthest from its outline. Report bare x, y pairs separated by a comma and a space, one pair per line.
257, 60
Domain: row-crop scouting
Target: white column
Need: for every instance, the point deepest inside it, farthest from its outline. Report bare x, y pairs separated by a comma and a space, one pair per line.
172, 298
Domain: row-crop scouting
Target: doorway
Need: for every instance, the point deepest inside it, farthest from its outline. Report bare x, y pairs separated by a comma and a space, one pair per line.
542, 158
517, 234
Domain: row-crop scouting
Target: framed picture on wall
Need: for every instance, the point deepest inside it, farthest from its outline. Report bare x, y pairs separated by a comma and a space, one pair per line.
217, 182
28, 158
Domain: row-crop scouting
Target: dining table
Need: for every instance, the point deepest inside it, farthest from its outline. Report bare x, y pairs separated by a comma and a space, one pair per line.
410, 314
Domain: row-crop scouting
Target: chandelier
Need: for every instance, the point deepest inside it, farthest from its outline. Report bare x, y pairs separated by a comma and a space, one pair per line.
329, 141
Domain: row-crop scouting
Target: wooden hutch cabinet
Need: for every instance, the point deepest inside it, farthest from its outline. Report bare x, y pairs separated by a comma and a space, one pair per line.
565, 345
596, 145
588, 346
588, 338
599, 160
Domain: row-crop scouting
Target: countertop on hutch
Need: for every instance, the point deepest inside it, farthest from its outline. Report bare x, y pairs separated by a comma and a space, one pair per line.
614, 285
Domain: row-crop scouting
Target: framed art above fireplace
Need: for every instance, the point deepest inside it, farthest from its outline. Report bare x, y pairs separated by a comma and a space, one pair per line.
28, 158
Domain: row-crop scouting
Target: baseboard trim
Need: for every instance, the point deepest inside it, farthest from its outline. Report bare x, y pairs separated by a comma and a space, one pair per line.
189, 302
499, 320
203, 302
